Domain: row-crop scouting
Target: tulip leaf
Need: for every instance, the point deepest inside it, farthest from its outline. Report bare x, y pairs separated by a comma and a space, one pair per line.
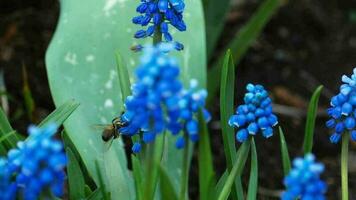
81, 65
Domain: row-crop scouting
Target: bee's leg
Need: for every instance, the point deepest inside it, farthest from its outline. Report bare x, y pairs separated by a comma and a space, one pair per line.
115, 119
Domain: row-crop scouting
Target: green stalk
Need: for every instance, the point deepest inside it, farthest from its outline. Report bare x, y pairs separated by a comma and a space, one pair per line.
185, 170
157, 36
149, 171
236, 171
344, 166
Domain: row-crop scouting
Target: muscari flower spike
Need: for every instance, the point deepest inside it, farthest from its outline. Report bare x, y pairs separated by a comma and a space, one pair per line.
343, 110
303, 181
36, 166
255, 115
159, 102
157, 15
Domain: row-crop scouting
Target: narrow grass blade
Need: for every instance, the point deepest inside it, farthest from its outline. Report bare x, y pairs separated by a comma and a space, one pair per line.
227, 90
205, 161
253, 182
310, 124
96, 195
284, 153
236, 170
26, 91
59, 115
125, 85
5, 128
243, 40
75, 177
166, 186
137, 174
219, 186
6, 136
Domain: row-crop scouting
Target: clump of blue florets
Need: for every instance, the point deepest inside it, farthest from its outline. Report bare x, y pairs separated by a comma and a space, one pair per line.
343, 109
255, 115
35, 168
159, 101
303, 181
157, 15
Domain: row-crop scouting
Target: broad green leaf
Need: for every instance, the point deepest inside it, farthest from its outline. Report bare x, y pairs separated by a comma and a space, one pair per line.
75, 177
227, 90
284, 153
166, 186
61, 113
236, 170
310, 124
104, 191
81, 65
253, 182
205, 161
215, 13
87, 191
125, 85
243, 40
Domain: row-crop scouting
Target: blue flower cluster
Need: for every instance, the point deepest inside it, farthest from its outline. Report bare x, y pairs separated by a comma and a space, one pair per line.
36, 167
158, 101
255, 115
303, 181
157, 14
343, 109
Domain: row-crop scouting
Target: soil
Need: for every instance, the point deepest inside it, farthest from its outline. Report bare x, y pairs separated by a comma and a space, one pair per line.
306, 44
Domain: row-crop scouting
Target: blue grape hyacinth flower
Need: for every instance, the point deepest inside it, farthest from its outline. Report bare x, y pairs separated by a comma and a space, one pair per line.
255, 115
159, 101
303, 181
37, 165
343, 110
192, 101
156, 15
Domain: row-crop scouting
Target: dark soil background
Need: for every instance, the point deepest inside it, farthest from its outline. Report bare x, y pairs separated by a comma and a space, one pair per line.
307, 43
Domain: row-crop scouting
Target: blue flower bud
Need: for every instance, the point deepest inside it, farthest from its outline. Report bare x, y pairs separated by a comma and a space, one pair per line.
168, 37
163, 5
263, 122
237, 120
192, 127
179, 46
346, 109
148, 137
335, 138
180, 143
353, 135
242, 135
150, 30
259, 112
178, 5
252, 128
339, 128
331, 123
350, 123
250, 117
136, 148
268, 132
140, 34
142, 8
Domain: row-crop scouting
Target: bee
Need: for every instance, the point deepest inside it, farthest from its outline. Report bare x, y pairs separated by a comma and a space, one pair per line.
111, 131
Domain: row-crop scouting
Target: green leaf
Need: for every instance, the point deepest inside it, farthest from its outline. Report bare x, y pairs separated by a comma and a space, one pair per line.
87, 191
6, 136
137, 174
5, 128
219, 186
236, 170
243, 40
104, 192
81, 66
124, 80
309, 128
253, 182
284, 153
96, 195
205, 161
60, 114
166, 186
75, 177
27, 94
227, 90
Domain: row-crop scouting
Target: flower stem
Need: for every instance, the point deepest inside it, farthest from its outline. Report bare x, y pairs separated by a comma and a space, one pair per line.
185, 171
157, 36
149, 171
344, 166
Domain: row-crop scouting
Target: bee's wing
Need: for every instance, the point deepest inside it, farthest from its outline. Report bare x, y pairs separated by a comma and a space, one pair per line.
99, 127
108, 144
